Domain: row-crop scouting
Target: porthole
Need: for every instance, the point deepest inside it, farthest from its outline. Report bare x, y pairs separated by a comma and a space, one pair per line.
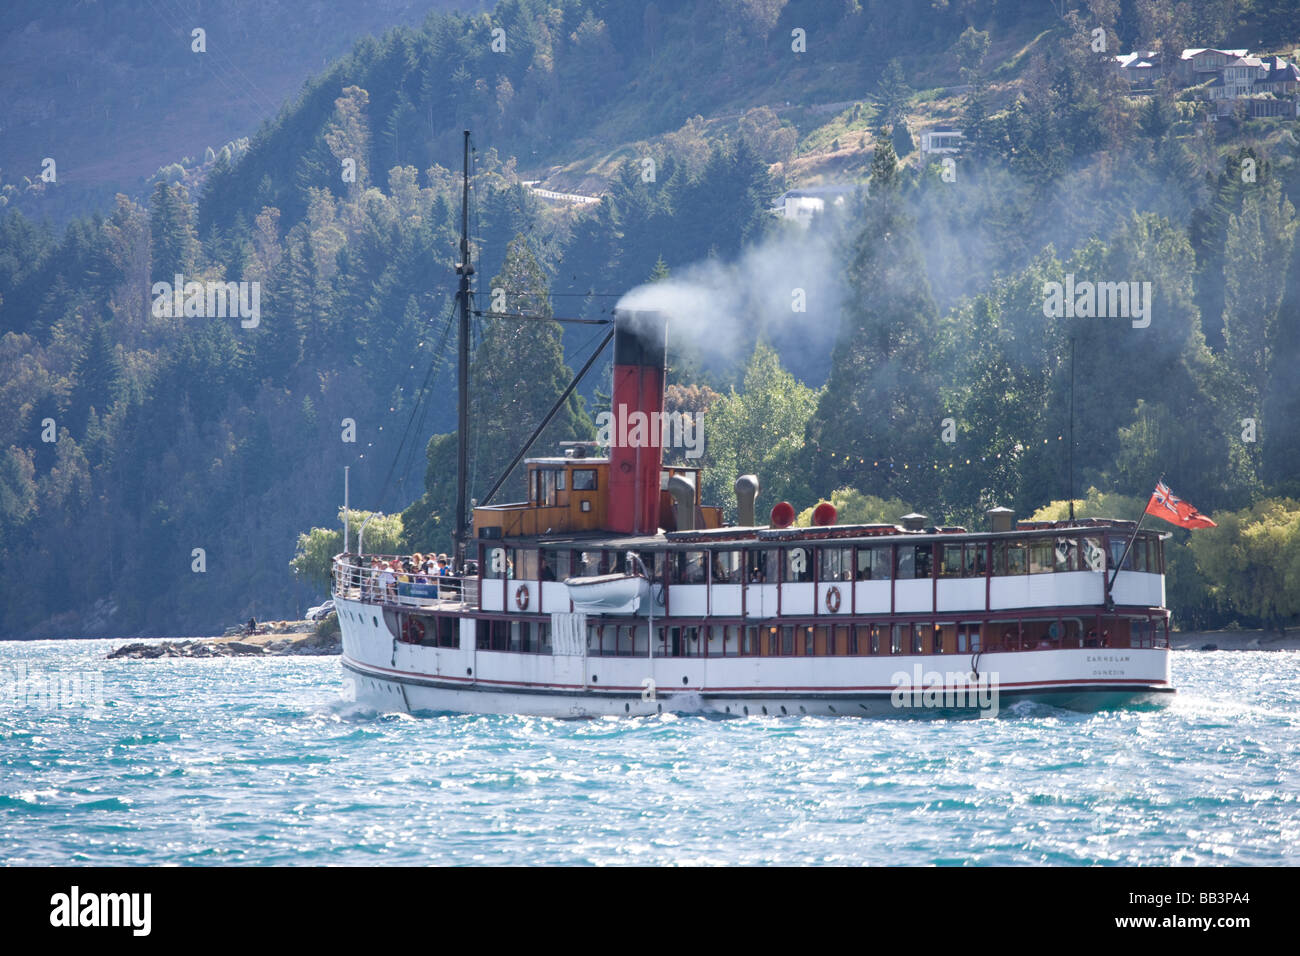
469, 672
627, 708
728, 708
801, 709
594, 679
661, 708
832, 707
746, 710
765, 710
783, 710
376, 620
684, 682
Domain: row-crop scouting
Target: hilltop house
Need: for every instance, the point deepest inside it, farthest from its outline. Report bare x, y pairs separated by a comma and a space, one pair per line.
802, 204
941, 139
1230, 79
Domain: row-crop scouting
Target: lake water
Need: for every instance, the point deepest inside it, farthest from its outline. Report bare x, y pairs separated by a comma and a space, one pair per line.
246, 761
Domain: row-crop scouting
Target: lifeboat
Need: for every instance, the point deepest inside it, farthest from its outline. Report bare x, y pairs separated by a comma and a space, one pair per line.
608, 593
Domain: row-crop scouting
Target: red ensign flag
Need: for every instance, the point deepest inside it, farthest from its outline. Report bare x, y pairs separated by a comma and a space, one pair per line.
1165, 504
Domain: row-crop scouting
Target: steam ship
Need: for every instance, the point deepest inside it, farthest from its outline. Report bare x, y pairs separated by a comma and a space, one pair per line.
614, 590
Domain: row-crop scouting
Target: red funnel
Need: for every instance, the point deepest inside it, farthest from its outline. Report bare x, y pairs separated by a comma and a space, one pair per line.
824, 514
782, 514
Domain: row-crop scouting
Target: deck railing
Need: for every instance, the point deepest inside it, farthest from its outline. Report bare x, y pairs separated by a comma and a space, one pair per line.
356, 579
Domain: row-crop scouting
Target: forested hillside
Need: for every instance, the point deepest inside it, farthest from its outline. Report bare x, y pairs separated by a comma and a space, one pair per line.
114, 90
156, 469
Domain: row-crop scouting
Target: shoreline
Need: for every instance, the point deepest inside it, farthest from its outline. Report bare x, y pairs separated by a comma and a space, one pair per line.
281, 639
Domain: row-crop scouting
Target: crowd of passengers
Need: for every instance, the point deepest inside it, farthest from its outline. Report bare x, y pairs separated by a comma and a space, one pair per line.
385, 575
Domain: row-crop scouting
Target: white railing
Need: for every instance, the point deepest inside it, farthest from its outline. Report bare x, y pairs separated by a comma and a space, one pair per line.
358, 578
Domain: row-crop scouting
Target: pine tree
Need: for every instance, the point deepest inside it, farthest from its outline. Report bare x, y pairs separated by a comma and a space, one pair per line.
1280, 423
174, 243
881, 403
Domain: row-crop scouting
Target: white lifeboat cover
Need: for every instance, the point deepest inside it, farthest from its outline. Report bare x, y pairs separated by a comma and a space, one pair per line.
608, 593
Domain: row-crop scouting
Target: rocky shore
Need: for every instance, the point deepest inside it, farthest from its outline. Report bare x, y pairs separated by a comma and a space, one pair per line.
1234, 641
282, 638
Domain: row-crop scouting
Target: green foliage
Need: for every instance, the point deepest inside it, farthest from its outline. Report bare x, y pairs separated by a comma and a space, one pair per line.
1251, 561
854, 507
759, 430
314, 555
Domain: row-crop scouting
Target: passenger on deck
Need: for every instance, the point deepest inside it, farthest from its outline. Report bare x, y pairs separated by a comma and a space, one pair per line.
387, 580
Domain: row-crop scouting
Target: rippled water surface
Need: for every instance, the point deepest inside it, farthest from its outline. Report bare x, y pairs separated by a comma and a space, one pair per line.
239, 761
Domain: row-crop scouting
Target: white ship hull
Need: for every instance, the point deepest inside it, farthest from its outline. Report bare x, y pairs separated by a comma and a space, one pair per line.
394, 676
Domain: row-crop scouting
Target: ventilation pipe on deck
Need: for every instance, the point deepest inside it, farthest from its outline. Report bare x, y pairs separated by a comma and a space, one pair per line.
782, 514
914, 521
1000, 519
682, 488
746, 494
824, 514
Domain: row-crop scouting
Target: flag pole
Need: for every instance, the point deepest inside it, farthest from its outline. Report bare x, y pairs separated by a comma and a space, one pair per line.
1128, 547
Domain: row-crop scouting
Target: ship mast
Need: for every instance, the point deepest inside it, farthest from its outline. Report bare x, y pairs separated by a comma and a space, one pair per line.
464, 269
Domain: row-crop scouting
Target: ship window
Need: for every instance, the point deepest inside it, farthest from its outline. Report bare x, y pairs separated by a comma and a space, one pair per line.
873, 563
760, 567
525, 564
1009, 558
448, 632
584, 479
918, 640
1140, 554
556, 565
726, 567
494, 563
809, 647
914, 560
951, 565
877, 636
688, 567
1040, 555
1066, 557
906, 560
787, 641
548, 484
836, 564
797, 566
482, 635
1094, 558
1117, 551
896, 639
750, 637
975, 559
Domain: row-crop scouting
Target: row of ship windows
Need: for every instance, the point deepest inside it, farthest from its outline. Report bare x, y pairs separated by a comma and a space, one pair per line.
830, 563
829, 641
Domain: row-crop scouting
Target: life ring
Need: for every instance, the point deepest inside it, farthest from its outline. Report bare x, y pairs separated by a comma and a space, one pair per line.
521, 597
833, 599
413, 631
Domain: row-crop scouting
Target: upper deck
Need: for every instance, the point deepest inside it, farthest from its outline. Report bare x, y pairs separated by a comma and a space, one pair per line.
840, 570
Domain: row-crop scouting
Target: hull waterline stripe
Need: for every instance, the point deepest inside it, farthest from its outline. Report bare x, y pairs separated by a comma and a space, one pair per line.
610, 689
